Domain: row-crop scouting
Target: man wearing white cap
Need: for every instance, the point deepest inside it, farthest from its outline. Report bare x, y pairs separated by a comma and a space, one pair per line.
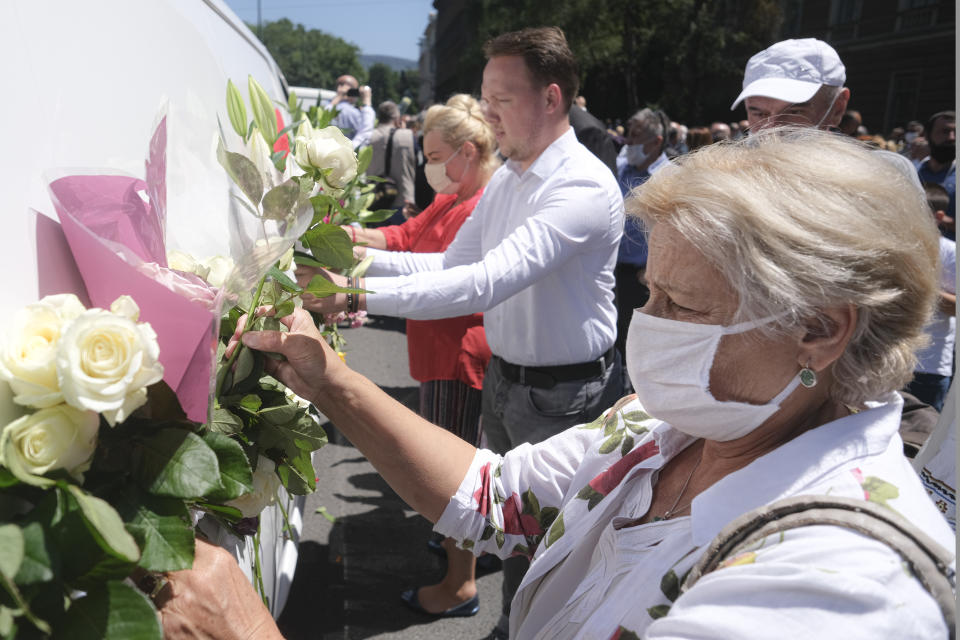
794, 82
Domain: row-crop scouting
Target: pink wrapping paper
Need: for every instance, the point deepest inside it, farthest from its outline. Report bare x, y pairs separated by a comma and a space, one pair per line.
112, 225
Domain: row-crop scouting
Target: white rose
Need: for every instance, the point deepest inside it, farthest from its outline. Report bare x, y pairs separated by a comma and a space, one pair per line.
187, 263
330, 151
105, 362
28, 349
265, 485
219, 269
59, 437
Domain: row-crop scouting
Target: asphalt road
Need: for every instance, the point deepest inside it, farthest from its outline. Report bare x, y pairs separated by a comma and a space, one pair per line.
351, 571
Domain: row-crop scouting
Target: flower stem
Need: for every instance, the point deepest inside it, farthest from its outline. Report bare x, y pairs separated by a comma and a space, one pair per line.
257, 572
246, 327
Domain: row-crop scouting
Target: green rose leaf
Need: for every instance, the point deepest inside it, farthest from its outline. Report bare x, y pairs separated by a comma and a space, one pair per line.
282, 201
487, 532
303, 435
612, 442
11, 550
306, 261
331, 245
244, 365
556, 530
105, 525
292, 101
235, 473
500, 538
230, 513
236, 110
37, 565
363, 159
263, 113
297, 475
243, 172
7, 479
6, 622
286, 282
223, 420
320, 287
113, 611
251, 402
280, 415
285, 308
177, 463
162, 527
371, 217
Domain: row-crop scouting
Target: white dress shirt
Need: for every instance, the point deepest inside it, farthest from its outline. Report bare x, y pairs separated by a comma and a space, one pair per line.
536, 257
566, 501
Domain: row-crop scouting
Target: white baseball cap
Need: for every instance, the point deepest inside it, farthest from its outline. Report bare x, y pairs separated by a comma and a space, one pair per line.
792, 71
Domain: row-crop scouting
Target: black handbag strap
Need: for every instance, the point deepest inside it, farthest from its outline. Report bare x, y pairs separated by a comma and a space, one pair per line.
927, 559
386, 166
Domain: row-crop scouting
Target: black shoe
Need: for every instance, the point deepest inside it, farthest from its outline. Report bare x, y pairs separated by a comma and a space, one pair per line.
462, 610
496, 634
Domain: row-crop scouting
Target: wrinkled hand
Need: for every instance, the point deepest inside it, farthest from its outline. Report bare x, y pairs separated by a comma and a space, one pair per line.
330, 304
310, 362
213, 601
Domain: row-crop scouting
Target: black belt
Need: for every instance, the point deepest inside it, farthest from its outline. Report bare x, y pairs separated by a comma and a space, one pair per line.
547, 377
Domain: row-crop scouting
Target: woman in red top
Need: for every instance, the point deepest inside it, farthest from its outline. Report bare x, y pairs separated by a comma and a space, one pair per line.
448, 357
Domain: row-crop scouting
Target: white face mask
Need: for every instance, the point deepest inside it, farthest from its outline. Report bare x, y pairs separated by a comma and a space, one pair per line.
669, 365
910, 136
437, 178
636, 156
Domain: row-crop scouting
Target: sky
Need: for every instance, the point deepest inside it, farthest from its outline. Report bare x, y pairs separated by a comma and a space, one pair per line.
378, 27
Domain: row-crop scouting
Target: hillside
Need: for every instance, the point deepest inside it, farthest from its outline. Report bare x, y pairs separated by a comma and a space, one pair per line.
397, 64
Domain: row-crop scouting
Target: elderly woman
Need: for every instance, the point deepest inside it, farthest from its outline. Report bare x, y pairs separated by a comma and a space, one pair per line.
791, 275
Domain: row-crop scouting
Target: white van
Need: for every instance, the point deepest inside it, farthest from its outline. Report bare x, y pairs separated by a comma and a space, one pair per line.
311, 97
82, 84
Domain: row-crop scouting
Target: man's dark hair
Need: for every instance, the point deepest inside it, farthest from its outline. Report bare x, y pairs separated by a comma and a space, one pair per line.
937, 197
949, 115
547, 55
387, 112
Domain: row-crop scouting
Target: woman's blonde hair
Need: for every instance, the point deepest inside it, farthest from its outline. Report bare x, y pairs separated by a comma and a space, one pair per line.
461, 120
800, 220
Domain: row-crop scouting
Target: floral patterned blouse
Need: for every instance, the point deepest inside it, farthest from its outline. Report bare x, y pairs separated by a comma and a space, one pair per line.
565, 503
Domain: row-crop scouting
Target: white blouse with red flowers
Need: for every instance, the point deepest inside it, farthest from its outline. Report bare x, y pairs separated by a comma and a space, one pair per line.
564, 502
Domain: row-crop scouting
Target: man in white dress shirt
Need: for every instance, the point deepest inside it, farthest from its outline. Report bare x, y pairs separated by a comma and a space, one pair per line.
536, 257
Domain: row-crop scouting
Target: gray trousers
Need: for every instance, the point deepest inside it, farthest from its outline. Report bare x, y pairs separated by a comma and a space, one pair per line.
514, 413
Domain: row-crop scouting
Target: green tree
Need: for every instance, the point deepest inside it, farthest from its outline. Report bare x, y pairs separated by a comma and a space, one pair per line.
685, 56
310, 57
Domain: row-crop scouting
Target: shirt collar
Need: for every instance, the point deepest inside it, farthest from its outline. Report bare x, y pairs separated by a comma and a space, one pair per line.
658, 164
550, 159
790, 468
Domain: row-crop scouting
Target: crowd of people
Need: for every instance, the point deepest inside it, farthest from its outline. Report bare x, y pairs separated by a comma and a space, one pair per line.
765, 299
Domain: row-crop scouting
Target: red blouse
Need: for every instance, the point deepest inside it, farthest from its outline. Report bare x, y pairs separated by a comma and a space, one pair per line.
452, 348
